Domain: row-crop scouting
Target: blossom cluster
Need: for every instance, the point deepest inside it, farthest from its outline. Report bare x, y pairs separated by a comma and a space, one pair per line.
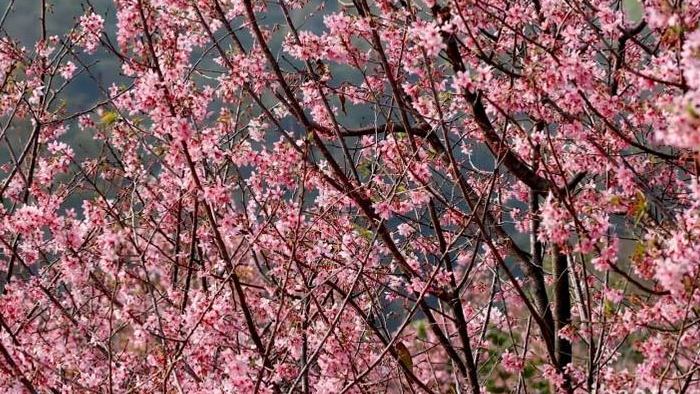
369, 196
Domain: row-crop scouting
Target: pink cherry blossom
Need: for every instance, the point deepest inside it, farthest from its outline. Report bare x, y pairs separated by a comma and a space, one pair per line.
68, 70
91, 25
357, 197
511, 362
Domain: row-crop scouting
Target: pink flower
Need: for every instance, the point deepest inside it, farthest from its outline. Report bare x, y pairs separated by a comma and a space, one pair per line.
181, 130
463, 83
555, 222
91, 28
608, 256
405, 229
427, 35
554, 377
217, 195
511, 362
383, 209
68, 70
229, 199
670, 274
614, 295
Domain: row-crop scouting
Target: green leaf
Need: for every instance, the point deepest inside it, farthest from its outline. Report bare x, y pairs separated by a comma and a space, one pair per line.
404, 355
364, 233
108, 118
492, 387
639, 208
421, 329
529, 371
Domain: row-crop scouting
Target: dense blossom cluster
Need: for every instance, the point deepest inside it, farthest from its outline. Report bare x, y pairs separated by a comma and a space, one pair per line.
302, 196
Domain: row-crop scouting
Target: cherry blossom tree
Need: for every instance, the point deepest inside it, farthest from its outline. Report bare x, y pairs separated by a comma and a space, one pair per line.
300, 196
